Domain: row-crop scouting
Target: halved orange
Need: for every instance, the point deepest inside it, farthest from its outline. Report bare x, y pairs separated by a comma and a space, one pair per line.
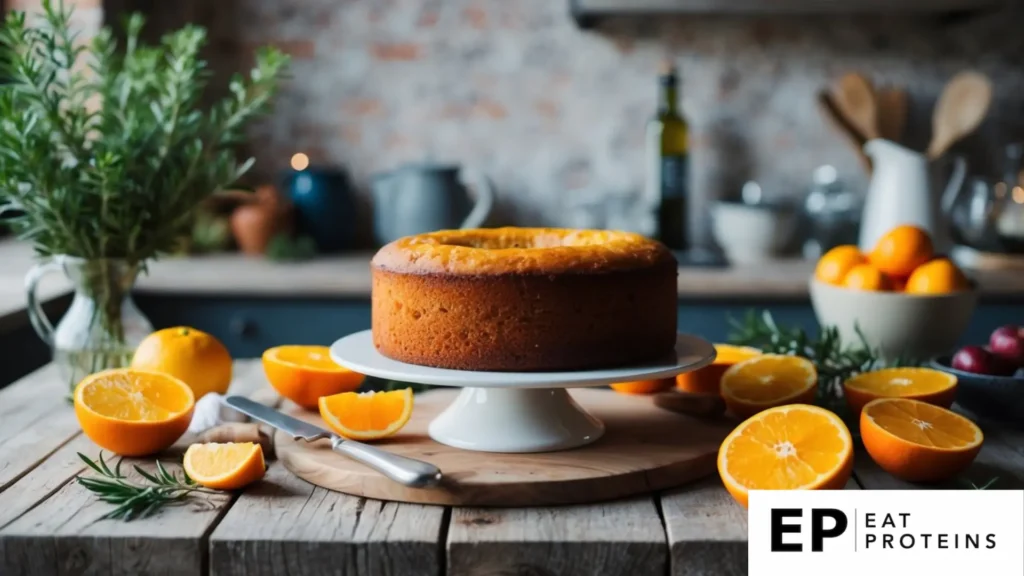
643, 386
766, 381
917, 441
795, 447
133, 412
924, 384
303, 374
707, 380
367, 415
228, 466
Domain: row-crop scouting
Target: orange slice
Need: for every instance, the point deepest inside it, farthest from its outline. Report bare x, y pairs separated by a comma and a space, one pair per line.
367, 415
917, 441
766, 381
796, 447
707, 380
133, 412
303, 374
643, 386
924, 384
227, 466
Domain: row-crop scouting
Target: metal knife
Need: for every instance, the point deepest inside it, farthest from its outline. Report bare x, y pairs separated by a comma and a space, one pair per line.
414, 473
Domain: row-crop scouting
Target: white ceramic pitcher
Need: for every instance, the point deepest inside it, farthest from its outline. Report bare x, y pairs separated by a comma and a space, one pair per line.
903, 191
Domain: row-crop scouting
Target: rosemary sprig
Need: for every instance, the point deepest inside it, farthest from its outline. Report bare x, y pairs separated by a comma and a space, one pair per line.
137, 500
835, 360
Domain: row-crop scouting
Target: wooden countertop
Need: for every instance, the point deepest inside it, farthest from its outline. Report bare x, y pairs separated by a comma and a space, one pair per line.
284, 525
348, 276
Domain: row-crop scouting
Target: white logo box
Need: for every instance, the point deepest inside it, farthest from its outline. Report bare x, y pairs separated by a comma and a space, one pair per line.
899, 532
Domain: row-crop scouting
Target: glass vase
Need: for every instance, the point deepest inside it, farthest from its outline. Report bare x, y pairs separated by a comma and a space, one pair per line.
102, 327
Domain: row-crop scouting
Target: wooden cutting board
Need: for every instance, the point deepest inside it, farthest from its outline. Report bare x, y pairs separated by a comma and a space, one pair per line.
644, 449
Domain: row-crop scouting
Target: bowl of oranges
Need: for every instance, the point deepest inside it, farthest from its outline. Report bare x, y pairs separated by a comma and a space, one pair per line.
904, 299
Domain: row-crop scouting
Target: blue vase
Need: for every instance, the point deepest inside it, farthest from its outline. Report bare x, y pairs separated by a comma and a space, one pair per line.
324, 205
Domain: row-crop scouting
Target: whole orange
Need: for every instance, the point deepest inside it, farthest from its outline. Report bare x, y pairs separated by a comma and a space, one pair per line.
190, 355
901, 250
866, 277
833, 266
940, 276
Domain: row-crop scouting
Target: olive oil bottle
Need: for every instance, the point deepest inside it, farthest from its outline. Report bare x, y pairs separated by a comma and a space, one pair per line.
668, 164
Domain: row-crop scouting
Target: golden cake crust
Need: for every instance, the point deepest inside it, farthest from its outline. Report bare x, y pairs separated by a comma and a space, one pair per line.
524, 300
496, 251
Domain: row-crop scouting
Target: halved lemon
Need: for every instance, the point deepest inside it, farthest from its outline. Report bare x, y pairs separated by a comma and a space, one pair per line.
794, 447
917, 441
227, 466
924, 384
303, 374
133, 412
767, 381
367, 415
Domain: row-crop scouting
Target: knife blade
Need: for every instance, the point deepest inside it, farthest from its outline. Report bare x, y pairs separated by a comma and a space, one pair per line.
407, 471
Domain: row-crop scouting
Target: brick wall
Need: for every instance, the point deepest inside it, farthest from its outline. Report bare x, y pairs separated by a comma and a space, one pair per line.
552, 112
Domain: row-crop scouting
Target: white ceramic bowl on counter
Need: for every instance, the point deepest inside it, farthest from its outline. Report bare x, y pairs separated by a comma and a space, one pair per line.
751, 233
912, 325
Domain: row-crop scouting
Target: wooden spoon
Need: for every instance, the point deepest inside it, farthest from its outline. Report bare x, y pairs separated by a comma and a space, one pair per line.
959, 111
855, 98
700, 405
830, 111
892, 113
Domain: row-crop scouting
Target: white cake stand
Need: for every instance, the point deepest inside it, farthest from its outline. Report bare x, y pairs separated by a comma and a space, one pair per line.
515, 411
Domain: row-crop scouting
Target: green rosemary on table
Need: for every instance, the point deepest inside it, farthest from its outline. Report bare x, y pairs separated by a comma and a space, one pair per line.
137, 499
835, 360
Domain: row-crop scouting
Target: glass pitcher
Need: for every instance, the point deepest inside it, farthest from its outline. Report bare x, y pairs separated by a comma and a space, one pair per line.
102, 327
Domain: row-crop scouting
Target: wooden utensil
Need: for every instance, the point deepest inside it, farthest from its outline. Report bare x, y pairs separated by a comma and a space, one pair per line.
961, 108
855, 99
701, 405
892, 113
831, 112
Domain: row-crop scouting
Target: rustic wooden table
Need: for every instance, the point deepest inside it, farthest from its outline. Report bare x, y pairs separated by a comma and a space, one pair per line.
50, 525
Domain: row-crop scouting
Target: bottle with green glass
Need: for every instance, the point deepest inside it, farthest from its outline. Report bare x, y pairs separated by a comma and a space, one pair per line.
668, 163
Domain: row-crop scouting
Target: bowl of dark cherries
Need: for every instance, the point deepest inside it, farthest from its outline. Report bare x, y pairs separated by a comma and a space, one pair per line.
990, 378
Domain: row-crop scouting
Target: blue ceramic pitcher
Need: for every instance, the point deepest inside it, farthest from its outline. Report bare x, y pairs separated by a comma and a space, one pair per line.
418, 198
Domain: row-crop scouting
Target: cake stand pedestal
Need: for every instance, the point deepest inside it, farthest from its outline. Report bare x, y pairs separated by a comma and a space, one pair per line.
515, 412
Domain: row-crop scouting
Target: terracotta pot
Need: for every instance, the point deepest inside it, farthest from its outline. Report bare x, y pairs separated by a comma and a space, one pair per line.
255, 222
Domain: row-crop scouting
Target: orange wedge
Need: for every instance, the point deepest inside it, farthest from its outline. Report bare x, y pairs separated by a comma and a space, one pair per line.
303, 374
924, 384
227, 466
643, 386
367, 415
795, 447
917, 441
133, 412
767, 381
707, 380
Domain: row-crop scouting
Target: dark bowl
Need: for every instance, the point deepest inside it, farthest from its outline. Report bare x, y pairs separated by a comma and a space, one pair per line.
993, 397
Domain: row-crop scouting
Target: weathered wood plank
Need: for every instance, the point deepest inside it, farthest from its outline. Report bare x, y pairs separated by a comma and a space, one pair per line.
285, 525
707, 530
53, 524
35, 420
622, 537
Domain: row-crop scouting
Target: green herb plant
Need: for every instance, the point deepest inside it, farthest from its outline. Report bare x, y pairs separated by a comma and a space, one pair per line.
137, 499
834, 359
106, 150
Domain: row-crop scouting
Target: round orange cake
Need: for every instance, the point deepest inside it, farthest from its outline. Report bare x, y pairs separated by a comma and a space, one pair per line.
524, 299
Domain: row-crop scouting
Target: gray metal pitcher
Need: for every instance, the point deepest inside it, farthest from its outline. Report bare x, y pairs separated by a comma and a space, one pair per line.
419, 198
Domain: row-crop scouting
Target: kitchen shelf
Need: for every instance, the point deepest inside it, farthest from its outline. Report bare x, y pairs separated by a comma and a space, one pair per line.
589, 12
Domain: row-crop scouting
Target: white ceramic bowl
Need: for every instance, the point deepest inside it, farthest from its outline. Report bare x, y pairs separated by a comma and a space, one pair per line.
916, 326
751, 233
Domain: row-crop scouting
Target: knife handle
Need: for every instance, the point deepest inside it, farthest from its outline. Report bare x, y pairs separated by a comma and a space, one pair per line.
413, 473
